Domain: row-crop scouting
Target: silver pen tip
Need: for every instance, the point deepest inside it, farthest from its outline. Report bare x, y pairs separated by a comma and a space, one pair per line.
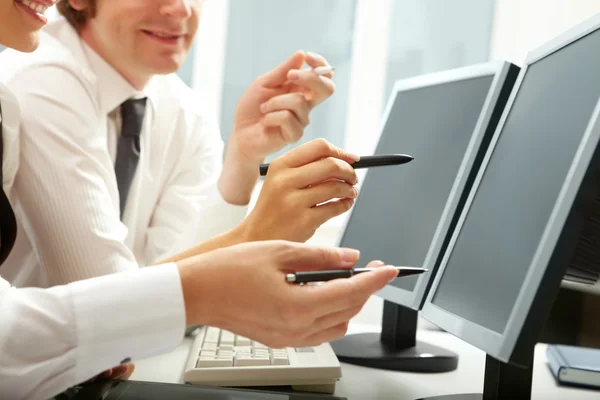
290, 278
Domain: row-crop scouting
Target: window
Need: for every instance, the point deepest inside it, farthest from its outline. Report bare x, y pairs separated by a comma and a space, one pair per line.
263, 33
371, 44
430, 36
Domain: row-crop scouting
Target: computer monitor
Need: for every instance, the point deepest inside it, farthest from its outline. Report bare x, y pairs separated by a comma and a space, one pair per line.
533, 212
444, 120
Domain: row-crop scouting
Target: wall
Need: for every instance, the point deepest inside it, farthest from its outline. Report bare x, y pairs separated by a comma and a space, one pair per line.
522, 25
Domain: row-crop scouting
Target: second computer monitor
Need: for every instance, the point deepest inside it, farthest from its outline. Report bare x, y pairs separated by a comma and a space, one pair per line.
442, 120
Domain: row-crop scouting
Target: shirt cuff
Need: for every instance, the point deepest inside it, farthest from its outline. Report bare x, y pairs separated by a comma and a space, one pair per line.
126, 316
219, 216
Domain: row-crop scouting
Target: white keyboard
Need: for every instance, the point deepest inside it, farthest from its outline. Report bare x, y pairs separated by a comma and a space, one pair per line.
221, 358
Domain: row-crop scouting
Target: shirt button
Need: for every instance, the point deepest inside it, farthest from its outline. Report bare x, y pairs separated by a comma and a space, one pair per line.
126, 360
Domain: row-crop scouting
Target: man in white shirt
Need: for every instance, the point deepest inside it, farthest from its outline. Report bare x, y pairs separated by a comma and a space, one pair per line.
78, 92
52, 339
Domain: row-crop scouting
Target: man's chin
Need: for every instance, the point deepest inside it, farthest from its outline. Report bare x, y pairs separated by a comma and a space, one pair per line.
165, 68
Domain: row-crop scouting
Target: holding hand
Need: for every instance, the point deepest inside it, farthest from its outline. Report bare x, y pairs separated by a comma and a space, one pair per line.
243, 289
271, 114
299, 191
122, 372
275, 109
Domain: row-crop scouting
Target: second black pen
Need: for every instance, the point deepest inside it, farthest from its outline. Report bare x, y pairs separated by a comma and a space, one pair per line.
366, 162
328, 275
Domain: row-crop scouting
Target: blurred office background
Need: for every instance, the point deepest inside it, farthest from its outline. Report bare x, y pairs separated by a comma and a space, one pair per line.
371, 43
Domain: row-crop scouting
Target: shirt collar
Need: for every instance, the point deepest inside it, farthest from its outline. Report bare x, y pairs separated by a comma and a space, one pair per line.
113, 88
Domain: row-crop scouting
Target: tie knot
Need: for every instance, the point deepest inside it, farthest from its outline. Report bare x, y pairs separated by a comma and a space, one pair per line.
132, 114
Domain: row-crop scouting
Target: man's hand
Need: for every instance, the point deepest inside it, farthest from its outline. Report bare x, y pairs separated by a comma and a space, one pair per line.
300, 191
243, 289
122, 372
275, 109
271, 114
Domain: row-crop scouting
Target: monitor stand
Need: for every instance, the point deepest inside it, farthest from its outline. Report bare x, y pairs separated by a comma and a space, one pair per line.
396, 348
501, 381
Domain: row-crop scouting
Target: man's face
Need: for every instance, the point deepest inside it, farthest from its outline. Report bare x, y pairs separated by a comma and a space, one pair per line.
144, 37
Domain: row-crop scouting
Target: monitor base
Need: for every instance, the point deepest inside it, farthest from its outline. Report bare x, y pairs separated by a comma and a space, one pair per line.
366, 349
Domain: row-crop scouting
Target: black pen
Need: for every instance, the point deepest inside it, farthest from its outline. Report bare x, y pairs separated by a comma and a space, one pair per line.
328, 275
366, 162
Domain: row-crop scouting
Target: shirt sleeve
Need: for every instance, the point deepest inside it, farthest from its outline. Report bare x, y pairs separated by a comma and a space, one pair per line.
65, 184
191, 206
52, 339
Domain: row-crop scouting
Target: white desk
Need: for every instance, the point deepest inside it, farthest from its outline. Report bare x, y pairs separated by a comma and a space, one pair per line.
364, 383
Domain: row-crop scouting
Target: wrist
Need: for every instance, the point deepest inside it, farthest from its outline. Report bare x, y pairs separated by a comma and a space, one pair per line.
197, 287
239, 175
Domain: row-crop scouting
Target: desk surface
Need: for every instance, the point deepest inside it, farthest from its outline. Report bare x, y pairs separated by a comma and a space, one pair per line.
383, 385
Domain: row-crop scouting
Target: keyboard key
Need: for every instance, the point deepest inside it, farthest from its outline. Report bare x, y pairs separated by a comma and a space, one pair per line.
209, 346
243, 349
305, 350
227, 338
242, 341
212, 335
208, 353
279, 360
214, 362
251, 362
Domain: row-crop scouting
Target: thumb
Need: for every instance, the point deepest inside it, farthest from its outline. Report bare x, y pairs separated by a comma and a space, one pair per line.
278, 76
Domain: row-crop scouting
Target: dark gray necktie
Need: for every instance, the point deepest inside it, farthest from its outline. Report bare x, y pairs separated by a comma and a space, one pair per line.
128, 147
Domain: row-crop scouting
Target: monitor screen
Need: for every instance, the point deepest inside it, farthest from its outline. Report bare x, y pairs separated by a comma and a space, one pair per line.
399, 207
495, 246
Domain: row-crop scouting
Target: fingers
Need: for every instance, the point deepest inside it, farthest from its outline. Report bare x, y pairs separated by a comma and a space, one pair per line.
298, 257
294, 102
319, 87
279, 75
327, 335
325, 169
317, 60
341, 294
313, 151
324, 212
327, 191
129, 372
329, 321
291, 129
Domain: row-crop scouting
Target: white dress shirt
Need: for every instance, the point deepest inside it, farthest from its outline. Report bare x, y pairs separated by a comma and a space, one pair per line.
52, 339
67, 202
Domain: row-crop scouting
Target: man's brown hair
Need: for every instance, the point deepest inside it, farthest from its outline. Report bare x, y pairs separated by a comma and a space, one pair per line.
75, 17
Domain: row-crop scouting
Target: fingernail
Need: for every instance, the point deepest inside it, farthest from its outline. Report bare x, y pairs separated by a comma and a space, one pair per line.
349, 255
392, 269
354, 157
293, 75
378, 263
312, 55
355, 192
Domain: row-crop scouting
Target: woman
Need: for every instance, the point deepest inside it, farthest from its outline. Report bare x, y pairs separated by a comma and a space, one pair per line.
51, 339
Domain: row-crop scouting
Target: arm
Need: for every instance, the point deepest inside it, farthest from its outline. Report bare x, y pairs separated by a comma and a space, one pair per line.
52, 339
191, 208
65, 182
